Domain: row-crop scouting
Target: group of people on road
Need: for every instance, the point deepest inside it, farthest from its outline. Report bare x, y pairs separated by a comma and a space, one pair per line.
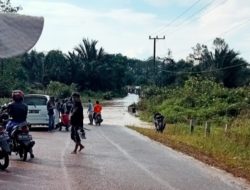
70, 109
71, 113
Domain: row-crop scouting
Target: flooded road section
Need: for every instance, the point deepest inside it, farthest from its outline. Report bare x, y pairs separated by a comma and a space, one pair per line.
116, 112
114, 158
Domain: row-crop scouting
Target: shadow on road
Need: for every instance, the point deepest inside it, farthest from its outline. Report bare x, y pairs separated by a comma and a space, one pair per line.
39, 129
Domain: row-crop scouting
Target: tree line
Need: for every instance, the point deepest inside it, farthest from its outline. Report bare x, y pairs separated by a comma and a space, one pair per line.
90, 68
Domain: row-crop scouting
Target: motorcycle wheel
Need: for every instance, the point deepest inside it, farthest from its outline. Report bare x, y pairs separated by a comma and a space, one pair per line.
4, 161
23, 153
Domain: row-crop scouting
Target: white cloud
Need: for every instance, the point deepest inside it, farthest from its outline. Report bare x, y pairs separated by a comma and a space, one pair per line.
118, 31
126, 31
227, 21
159, 3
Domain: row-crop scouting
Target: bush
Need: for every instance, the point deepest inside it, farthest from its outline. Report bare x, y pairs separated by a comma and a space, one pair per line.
198, 98
107, 96
5, 89
60, 90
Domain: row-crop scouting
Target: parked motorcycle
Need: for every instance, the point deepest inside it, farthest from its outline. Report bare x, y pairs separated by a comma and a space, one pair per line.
21, 141
64, 122
159, 122
4, 117
4, 149
98, 119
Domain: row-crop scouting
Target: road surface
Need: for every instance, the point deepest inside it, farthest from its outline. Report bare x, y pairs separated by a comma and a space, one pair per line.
114, 158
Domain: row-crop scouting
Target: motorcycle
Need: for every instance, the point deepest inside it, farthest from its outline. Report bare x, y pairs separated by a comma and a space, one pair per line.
98, 119
4, 149
65, 122
21, 141
159, 122
4, 117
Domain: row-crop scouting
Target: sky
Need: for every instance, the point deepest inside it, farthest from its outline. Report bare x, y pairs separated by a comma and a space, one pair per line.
124, 26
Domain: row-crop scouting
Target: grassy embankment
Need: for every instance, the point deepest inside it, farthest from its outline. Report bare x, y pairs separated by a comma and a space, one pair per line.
204, 101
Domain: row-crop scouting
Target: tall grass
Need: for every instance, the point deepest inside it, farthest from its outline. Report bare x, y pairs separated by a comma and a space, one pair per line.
229, 150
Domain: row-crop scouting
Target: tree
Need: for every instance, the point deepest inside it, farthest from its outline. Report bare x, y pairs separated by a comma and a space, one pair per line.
75, 68
33, 63
5, 6
223, 64
230, 66
56, 66
87, 51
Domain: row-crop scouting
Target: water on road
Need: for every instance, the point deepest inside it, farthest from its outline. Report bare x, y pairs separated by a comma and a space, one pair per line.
114, 158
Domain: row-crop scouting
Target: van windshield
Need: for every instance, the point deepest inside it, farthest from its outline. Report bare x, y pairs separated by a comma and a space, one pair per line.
35, 100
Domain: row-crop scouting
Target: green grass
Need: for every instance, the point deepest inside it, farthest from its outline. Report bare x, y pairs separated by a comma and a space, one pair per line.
229, 151
199, 99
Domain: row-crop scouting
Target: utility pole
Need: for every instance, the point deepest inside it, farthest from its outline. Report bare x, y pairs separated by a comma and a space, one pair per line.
155, 38
2, 67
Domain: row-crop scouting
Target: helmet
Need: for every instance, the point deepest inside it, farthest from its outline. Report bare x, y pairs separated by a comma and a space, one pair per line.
17, 95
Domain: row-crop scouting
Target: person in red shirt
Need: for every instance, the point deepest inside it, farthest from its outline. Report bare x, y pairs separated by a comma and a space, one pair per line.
97, 109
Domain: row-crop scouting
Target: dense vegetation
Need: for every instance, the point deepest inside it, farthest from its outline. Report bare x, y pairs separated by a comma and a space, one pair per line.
208, 86
89, 68
215, 91
84, 69
200, 99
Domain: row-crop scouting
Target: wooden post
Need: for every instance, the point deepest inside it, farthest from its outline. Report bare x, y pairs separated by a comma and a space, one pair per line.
191, 124
226, 128
207, 129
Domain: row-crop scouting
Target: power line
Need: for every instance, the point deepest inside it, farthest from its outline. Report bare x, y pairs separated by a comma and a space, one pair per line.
215, 7
179, 16
186, 21
235, 27
207, 71
238, 53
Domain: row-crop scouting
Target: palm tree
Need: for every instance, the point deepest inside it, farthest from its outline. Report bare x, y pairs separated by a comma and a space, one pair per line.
75, 67
229, 64
87, 50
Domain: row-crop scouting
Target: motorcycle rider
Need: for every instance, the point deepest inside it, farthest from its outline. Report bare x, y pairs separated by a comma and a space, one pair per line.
97, 109
18, 111
159, 122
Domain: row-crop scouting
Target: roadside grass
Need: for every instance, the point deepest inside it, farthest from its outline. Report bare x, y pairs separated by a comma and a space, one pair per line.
227, 150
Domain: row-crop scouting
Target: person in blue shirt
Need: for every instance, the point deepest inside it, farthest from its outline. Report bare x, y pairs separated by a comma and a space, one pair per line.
90, 112
50, 109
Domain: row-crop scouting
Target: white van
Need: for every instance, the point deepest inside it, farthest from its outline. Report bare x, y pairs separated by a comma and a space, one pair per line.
37, 109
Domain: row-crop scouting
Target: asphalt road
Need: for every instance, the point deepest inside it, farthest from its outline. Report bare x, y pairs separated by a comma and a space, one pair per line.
114, 158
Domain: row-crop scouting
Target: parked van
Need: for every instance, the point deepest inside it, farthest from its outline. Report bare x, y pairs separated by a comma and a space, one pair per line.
37, 109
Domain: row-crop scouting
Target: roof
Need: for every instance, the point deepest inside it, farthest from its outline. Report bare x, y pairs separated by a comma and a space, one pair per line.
37, 95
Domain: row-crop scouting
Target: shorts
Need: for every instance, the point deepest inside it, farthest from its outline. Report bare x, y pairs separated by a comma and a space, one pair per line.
75, 134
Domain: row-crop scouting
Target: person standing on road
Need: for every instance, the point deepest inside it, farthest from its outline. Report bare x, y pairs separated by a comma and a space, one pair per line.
76, 121
50, 109
90, 112
68, 105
